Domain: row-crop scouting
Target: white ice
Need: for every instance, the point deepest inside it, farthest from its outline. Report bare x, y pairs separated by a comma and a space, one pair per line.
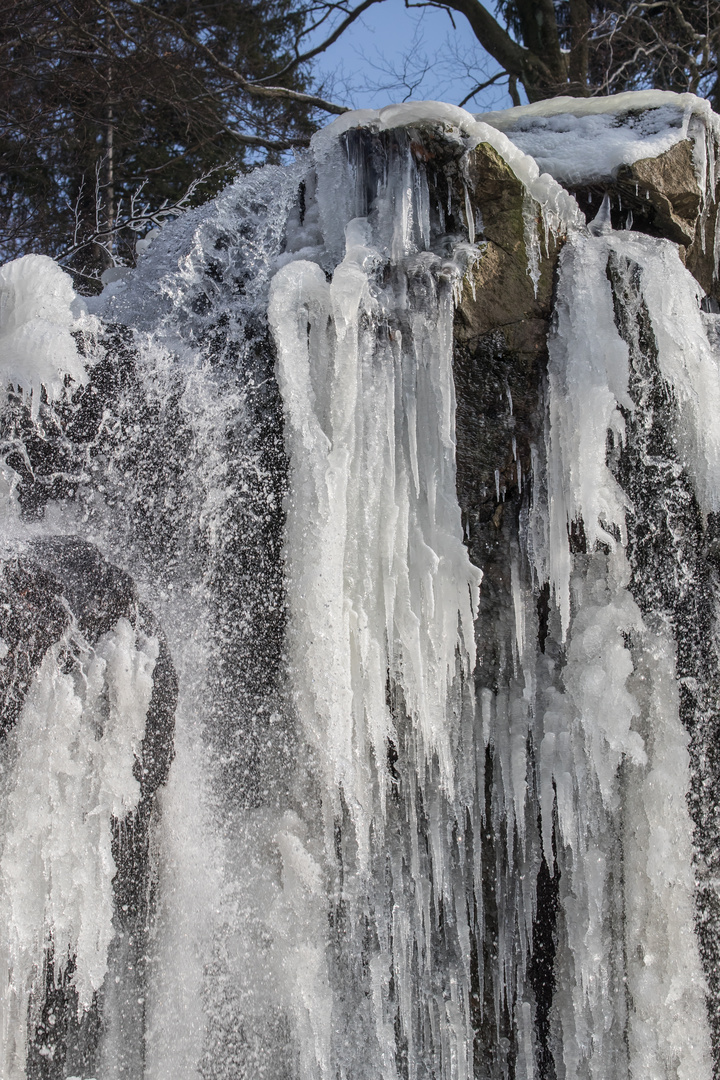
39, 312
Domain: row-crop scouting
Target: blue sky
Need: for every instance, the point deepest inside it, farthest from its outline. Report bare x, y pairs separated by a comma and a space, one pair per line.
395, 54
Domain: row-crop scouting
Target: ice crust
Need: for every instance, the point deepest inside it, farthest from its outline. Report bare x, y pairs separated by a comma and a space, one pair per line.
39, 311
588, 376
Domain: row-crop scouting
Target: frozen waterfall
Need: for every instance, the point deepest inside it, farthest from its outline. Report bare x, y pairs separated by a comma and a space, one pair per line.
359, 657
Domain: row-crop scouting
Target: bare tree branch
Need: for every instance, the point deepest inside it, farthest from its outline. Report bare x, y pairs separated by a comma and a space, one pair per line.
483, 86
140, 215
280, 93
305, 57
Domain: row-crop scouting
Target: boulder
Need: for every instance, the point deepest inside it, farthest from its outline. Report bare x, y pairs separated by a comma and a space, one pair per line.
661, 196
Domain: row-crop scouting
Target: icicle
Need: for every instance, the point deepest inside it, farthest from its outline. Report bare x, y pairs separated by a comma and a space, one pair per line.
588, 377
587, 731
469, 215
601, 223
532, 243
519, 609
667, 1030
422, 198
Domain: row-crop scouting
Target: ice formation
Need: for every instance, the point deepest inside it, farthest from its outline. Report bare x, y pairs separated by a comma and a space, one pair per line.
39, 311
371, 444
72, 769
610, 737
423, 821
370, 436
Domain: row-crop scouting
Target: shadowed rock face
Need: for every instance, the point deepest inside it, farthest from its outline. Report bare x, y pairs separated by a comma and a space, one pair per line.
500, 356
669, 184
59, 580
500, 346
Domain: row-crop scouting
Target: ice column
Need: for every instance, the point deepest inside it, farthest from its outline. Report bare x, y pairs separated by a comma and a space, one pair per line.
381, 592
379, 580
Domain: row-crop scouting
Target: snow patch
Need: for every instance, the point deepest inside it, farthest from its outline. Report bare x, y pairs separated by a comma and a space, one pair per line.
577, 140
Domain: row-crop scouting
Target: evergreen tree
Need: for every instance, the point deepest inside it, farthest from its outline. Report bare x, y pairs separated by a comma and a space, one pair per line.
103, 96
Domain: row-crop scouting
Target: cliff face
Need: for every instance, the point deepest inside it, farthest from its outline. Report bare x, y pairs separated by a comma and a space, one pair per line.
452, 834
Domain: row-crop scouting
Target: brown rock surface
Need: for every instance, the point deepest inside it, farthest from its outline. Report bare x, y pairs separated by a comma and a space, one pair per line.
665, 200
669, 184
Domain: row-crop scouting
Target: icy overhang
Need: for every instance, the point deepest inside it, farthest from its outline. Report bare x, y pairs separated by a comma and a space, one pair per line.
652, 152
460, 125
578, 140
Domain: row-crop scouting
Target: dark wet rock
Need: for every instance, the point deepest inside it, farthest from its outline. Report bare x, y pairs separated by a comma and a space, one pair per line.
669, 184
500, 346
500, 356
32, 618
662, 194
